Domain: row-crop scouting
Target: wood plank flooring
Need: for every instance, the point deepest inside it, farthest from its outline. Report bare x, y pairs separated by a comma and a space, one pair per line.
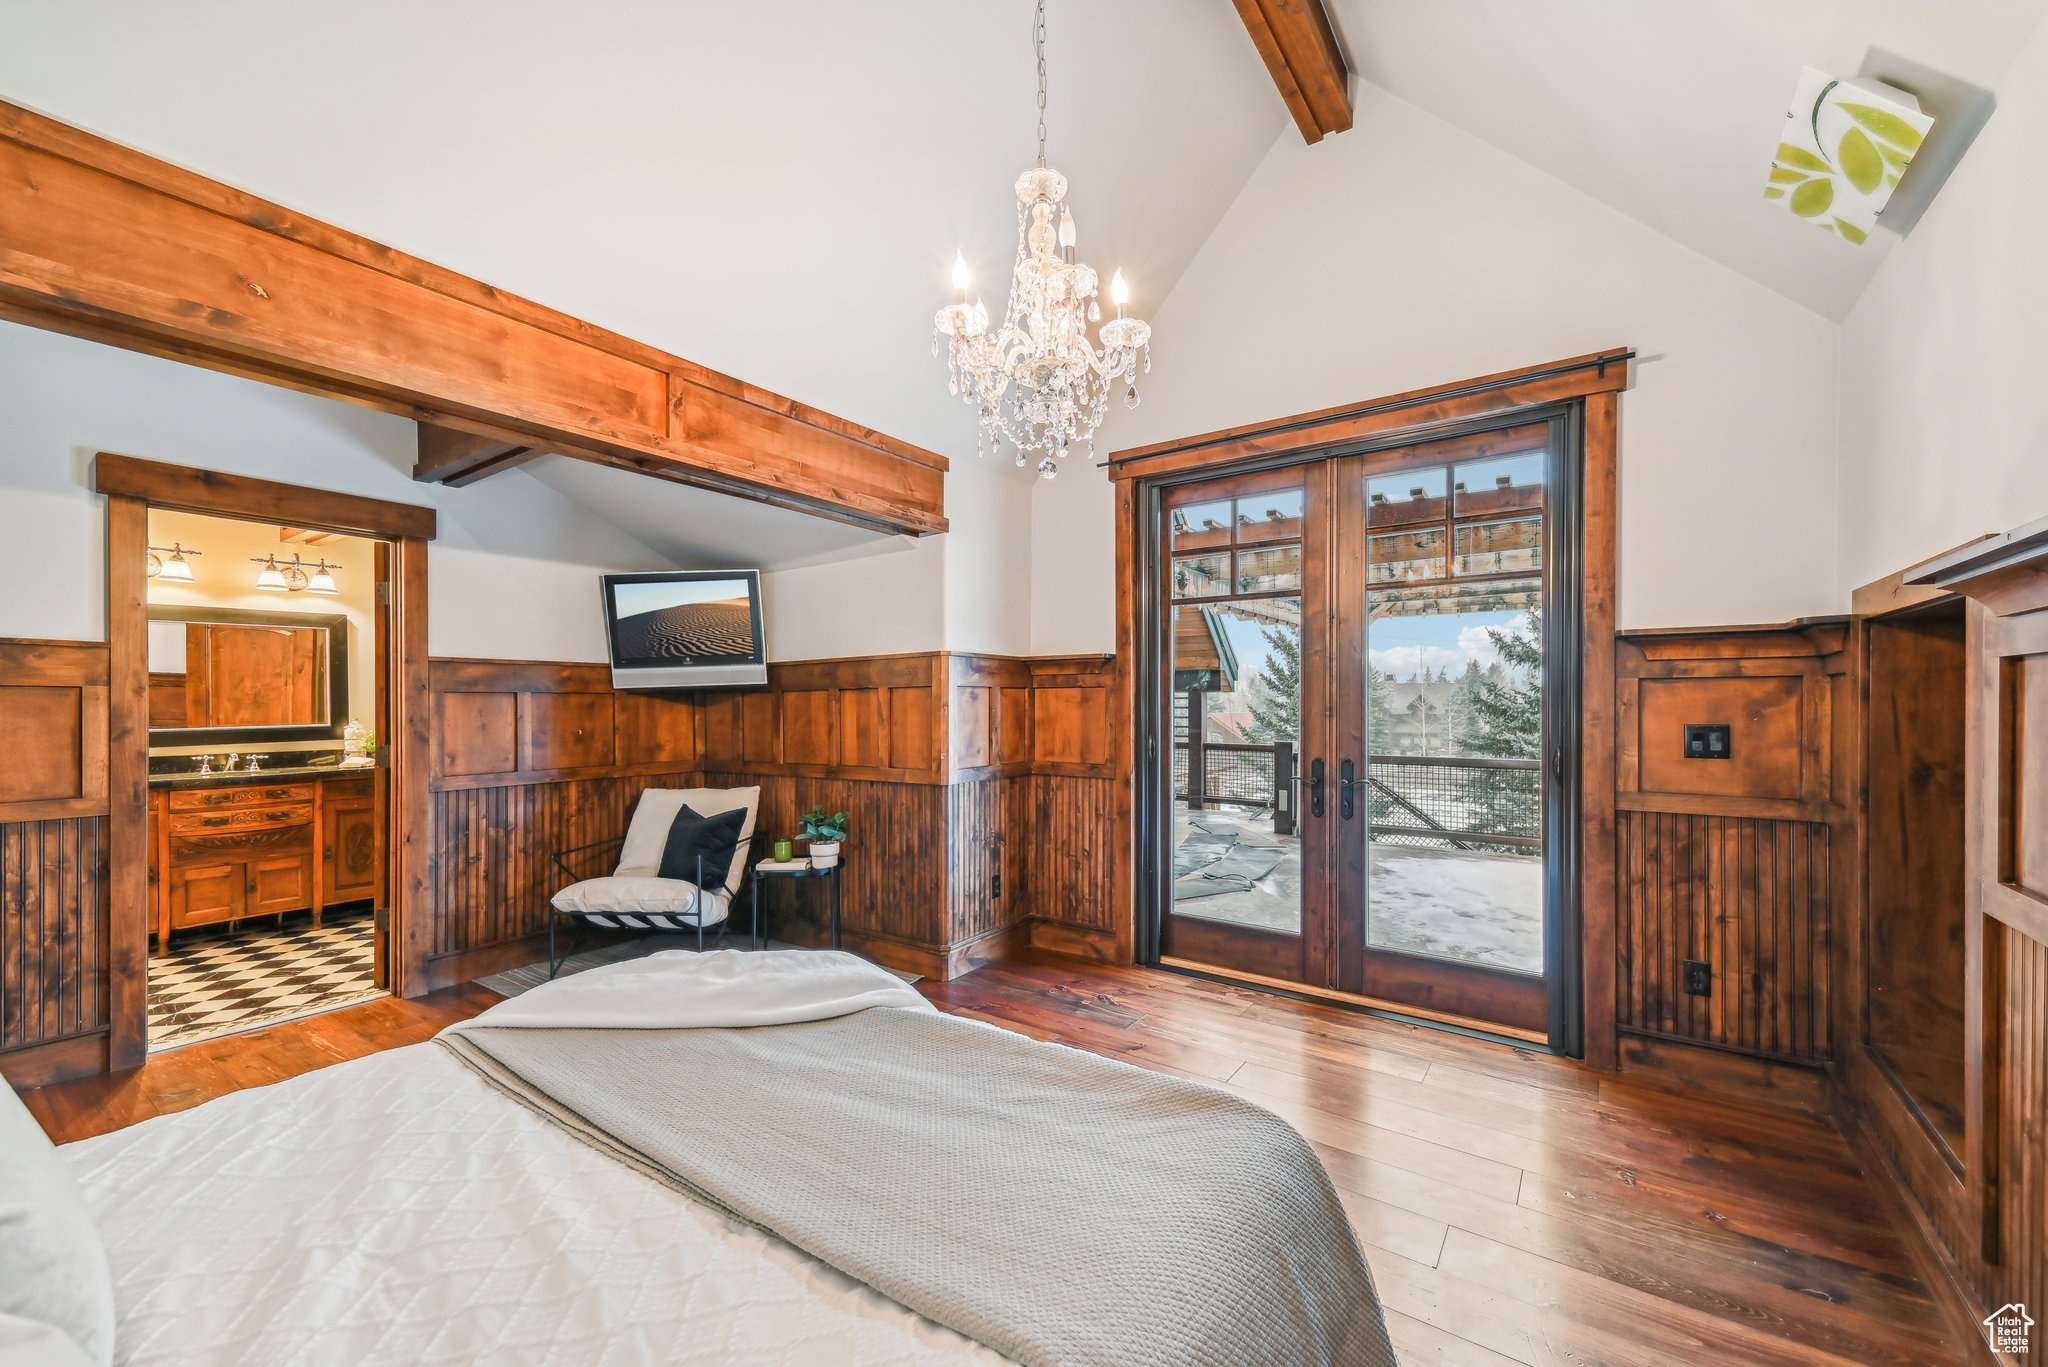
1515, 1208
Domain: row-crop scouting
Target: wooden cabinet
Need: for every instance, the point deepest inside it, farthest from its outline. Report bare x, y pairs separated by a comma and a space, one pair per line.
223, 853
351, 867
204, 891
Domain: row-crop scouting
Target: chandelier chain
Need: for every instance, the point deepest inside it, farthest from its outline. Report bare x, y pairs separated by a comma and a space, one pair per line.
1038, 42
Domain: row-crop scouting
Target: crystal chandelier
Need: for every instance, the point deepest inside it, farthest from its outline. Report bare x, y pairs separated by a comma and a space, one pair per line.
1036, 382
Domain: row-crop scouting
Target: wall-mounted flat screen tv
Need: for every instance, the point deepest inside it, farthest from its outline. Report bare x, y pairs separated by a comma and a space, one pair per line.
685, 629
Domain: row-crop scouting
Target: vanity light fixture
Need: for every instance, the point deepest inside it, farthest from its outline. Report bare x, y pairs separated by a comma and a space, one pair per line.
168, 563
290, 576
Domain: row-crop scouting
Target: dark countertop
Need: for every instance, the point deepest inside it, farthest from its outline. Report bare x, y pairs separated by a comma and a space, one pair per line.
240, 778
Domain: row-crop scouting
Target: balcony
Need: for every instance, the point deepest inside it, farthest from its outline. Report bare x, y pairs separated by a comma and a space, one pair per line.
1454, 849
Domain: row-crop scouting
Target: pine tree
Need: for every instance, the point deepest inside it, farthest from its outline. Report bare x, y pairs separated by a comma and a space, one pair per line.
1274, 695
1503, 716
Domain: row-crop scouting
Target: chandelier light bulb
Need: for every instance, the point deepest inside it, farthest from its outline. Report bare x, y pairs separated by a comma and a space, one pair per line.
1067, 234
961, 279
1119, 292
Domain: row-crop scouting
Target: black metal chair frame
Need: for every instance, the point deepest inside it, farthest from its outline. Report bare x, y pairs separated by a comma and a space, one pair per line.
560, 859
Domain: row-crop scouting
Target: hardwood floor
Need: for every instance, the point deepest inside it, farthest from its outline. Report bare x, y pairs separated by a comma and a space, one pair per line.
1515, 1208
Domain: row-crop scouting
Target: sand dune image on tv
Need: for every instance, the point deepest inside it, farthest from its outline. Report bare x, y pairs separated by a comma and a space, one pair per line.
690, 631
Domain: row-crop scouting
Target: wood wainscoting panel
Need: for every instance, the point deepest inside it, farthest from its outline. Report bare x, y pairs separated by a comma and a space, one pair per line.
2019, 1071
559, 731
1763, 713
893, 875
492, 875
54, 870
1749, 898
1074, 828
53, 939
53, 729
1775, 688
1730, 863
477, 733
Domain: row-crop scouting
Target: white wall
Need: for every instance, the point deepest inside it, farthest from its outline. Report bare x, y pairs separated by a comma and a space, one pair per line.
513, 574
1407, 253
1944, 401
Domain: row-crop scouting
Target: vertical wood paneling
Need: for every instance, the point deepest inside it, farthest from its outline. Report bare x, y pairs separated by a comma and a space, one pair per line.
2022, 1118
1750, 898
53, 930
492, 848
1074, 825
893, 878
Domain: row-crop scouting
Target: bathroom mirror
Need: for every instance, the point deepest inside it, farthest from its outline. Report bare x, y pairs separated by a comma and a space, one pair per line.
220, 676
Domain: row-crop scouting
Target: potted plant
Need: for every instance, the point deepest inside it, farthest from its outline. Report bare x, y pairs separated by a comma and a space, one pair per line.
823, 831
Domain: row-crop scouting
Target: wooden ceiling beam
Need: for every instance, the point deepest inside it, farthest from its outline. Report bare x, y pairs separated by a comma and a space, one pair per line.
453, 457
1299, 46
100, 241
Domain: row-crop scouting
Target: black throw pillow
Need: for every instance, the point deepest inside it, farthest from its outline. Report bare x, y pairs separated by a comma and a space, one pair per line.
714, 837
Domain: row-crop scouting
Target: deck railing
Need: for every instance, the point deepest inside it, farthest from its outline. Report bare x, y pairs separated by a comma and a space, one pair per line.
1460, 802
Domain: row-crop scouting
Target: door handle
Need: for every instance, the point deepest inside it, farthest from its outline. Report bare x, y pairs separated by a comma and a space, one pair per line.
1347, 784
1315, 787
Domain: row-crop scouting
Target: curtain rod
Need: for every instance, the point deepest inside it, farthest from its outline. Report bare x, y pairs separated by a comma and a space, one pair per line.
1599, 363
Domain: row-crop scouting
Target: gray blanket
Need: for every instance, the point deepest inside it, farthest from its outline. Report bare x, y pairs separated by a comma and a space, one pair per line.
1060, 1208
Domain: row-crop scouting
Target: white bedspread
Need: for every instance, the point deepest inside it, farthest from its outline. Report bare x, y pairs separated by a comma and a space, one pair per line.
398, 1209
682, 990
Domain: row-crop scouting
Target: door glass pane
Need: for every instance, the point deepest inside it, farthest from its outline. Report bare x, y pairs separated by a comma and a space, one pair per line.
1236, 704
1504, 484
1200, 526
1510, 547
1270, 516
1410, 496
1201, 576
1400, 557
1268, 569
1454, 721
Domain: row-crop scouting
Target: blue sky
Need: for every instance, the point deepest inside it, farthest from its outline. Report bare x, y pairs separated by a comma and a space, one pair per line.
1400, 645
633, 599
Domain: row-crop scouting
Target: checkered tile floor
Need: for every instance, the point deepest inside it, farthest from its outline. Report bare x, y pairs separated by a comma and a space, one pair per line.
214, 982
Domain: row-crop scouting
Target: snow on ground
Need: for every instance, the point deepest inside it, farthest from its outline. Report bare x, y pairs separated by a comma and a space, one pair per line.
1469, 906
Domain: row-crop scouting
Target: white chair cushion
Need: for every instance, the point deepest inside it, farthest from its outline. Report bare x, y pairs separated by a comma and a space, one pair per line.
53, 1267
647, 833
640, 903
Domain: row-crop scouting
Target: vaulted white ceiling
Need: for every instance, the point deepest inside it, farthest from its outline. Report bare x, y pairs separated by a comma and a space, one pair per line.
777, 190
773, 190
1669, 110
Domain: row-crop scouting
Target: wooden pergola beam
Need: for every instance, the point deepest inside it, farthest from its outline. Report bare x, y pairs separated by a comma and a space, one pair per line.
104, 242
1299, 45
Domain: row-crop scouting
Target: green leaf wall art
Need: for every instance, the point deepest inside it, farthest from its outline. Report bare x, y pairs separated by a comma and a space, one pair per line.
1843, 148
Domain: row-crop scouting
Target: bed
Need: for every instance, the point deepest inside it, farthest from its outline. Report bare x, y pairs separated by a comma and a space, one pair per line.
426, 1204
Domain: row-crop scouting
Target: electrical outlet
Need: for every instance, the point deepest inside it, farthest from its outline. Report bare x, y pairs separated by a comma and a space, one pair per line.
1699, 979
995, 886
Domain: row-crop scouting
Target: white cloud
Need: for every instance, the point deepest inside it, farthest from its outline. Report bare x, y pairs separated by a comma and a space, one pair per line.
1474, 643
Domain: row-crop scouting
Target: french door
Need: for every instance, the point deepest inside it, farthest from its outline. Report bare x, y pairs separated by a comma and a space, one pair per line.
1363, 698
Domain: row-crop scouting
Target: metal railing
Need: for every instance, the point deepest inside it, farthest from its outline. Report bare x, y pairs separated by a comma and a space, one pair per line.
1459, 802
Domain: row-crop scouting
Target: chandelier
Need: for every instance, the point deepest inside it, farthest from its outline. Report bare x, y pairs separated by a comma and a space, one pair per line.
1036, 382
